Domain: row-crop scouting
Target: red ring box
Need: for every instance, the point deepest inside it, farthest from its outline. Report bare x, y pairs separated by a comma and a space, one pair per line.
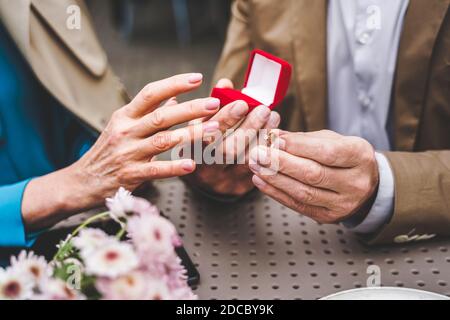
266, 82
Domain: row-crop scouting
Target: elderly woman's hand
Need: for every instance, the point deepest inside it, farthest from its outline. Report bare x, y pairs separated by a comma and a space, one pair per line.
124, 153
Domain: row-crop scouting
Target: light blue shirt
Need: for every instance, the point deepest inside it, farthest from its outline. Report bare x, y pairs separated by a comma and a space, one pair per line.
363, 41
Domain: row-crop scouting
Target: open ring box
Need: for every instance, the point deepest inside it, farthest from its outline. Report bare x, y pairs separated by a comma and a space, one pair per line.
266, 82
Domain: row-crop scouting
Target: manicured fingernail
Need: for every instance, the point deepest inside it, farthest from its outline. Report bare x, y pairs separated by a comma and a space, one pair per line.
257, 181
195, 78
254, 167
187, 165
264, 113
239, 110
274, 120
212, 104
210, 126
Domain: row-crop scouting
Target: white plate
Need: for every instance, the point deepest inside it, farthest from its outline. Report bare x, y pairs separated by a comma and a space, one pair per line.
385, 293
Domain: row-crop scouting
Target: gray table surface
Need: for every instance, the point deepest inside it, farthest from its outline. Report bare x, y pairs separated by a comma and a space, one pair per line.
259, 249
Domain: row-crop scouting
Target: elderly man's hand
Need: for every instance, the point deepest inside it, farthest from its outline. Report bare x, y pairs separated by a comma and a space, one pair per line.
323, 175
234, 179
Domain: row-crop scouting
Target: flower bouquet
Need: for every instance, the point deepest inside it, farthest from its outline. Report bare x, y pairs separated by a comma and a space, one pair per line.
138, 263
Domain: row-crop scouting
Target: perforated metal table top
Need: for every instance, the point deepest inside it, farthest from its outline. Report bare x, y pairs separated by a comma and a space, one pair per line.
259, 249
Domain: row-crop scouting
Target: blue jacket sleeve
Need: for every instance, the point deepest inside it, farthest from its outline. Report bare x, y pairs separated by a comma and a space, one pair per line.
12, 228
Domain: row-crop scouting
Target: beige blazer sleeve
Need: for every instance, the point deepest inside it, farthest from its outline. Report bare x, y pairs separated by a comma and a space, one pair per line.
422, 197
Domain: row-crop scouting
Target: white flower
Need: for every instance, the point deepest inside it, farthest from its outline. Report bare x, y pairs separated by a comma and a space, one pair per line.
121, 205
88, 240
124, 205
131, 286
157, 290
112, 260
31, 266
183, 293
143, 207
56, 289
14, 285
152, 235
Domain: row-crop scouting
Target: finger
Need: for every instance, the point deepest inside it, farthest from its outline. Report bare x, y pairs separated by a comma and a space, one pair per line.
225, 84
257, 119
164, 169
301, 169
230, 115
315, 213
154, 93
273, 122
301, 192
171, 102
317, 134
168, 116
236, 143
328, 151
166, 140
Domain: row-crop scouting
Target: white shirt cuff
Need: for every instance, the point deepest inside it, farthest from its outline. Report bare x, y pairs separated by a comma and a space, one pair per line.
382, 208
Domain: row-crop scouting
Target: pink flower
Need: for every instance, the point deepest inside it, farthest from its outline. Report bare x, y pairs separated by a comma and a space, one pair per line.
89, 240
31, 266
124, 205
153, 236
131, 286
144, 207
158, 290
112, 260
14, 285
56, 289
121, 205
136, 285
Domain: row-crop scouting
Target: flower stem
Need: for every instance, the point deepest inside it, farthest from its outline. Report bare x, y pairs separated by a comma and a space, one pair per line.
120, 234
78, 229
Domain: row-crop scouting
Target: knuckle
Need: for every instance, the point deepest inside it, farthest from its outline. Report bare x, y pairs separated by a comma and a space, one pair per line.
329, 153
315, 175
116, 135
307, 195
153, 171
361, 149
192, 107
127, 175
162, 140
148, 92
156, 119
297, 205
